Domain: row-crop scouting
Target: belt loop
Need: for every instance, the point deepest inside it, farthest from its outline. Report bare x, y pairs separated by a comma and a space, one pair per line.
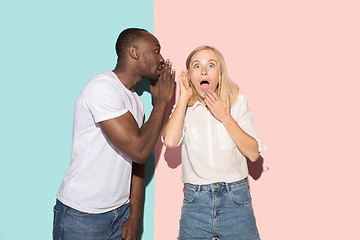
199, 188
227, 187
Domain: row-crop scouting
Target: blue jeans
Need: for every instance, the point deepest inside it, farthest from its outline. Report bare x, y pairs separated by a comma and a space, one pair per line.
70, 224
218, 211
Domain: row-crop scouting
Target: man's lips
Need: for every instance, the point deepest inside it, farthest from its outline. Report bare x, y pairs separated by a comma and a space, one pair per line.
160, 67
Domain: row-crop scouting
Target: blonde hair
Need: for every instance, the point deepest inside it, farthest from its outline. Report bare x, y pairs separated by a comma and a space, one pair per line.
226, 85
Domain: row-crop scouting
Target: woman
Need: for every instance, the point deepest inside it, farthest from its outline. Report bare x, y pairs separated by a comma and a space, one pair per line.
215, 126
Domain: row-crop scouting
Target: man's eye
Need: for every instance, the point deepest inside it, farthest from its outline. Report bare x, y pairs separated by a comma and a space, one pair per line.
211, 65
157, 51
196, 66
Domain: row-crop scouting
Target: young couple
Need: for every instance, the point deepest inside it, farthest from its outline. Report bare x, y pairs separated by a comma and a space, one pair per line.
101, 195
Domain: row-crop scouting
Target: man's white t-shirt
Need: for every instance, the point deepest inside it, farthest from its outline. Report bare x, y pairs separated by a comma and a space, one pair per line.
99, 177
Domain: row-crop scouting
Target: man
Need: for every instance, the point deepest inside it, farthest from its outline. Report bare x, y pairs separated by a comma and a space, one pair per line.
110, 144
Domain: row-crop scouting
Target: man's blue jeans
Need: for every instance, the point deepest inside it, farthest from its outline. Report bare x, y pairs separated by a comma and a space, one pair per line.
218, 211
70, 224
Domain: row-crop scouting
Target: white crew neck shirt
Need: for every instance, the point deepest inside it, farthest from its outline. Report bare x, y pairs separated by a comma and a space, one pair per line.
99, 177
208, 153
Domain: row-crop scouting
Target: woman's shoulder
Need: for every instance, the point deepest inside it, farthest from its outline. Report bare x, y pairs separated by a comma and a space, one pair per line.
241, 99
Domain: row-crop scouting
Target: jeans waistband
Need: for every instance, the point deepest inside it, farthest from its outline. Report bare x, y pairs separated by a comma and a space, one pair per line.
219, 186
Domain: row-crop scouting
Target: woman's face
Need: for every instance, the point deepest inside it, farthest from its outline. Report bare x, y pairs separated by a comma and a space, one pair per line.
204, 70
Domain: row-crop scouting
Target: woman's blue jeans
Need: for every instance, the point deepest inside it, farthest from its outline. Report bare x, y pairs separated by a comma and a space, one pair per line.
70, 224
218, 211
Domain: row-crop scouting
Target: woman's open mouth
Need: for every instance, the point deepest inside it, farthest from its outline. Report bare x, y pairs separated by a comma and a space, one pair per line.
204, 85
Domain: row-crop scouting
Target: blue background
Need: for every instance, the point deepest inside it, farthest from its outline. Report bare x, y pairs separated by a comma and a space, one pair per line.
49, 50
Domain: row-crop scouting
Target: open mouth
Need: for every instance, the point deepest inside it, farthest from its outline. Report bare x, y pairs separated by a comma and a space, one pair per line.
204, 85
204, 82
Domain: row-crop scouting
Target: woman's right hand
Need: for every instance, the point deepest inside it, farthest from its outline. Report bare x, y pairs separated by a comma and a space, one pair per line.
185, 89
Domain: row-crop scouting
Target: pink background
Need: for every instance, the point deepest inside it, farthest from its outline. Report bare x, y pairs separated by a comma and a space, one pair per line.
298, 62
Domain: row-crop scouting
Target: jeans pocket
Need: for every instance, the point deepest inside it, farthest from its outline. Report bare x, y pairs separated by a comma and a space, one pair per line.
76, 213
54, 221
241, 196
189, 195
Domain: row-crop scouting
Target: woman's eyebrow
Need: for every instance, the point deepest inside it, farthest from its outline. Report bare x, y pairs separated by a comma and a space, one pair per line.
206, 60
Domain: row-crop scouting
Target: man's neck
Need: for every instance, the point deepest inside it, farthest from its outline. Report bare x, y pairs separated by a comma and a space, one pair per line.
127, 77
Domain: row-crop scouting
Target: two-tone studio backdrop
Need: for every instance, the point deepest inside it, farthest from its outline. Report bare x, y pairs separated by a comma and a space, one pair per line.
296, 61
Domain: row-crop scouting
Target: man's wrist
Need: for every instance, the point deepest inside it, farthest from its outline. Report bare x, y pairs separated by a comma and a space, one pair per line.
135, 217
160, 103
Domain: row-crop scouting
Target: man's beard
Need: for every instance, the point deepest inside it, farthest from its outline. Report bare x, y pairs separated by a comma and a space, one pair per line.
151, 76
153, 81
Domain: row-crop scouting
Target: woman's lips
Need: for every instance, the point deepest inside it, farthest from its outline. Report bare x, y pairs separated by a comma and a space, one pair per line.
204, 85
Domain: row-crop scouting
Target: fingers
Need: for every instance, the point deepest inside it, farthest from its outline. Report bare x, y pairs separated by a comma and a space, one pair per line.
123, 233
183, 81
211, 96
182, 78
167, 69
173, 73
168, 72
227, 100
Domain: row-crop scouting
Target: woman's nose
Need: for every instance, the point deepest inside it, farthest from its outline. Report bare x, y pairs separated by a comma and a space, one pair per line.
203, 71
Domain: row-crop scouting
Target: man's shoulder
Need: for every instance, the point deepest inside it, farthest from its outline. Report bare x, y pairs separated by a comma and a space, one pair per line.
100, 81
106, 77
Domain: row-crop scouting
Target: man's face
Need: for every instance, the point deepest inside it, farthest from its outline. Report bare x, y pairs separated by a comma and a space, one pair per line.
152, 61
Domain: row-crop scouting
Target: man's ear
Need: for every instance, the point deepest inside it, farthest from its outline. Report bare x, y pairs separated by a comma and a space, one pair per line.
134, 53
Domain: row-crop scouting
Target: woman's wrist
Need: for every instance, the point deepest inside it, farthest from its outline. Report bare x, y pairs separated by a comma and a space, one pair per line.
226, 119
183, 98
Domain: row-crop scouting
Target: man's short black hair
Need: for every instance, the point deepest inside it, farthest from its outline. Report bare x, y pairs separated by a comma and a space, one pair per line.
126, 39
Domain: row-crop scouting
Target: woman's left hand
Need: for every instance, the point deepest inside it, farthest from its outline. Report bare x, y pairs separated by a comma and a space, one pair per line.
218, 108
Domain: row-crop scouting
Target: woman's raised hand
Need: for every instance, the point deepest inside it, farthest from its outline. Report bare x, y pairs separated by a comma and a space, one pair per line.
185, 89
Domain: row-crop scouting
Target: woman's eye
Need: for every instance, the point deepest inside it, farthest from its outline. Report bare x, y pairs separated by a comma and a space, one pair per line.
157, 51
211, 65
196, 66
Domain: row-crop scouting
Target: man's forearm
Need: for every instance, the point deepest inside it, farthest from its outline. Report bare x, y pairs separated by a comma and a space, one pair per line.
150, 131
137, 192
124, 133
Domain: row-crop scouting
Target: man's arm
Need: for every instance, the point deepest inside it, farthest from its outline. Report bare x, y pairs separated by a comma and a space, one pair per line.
123, 131
130, 228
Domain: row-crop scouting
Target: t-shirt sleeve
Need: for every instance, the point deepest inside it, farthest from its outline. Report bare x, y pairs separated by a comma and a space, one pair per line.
246, 121
104, 101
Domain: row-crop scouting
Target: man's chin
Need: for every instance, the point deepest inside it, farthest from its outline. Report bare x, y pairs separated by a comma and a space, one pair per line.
153, 82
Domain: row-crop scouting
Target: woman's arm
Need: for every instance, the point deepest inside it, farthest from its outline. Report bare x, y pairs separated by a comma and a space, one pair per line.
247, 145
173, 130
